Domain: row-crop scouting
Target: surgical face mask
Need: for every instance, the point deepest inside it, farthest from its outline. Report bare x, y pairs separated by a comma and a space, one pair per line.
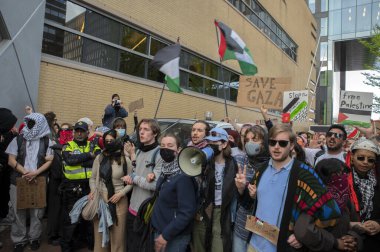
168, 155
120, 132
252, 149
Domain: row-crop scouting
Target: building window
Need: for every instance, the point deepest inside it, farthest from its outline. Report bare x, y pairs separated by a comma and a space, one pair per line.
324, 27
260, 18
323, 51
324, 5
82, 34
349, 20
312, 6
363, 18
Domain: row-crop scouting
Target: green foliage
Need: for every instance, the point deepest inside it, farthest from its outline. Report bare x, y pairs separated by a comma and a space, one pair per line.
373, 79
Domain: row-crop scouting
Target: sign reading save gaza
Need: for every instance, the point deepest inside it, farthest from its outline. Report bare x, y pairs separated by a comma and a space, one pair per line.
257, 91
355, 108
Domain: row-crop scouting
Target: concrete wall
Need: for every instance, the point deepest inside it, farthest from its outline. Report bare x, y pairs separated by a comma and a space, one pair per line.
20, 54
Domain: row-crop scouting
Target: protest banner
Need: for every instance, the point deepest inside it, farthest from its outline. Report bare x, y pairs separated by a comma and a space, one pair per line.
138, 104
257, 91
31, 194
355, 108
296, 104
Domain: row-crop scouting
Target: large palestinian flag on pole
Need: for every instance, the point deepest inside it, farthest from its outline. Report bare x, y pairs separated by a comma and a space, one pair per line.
231, 46
167, 61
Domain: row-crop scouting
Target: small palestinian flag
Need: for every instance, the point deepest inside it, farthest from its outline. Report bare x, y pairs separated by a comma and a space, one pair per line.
233, 47
167, 61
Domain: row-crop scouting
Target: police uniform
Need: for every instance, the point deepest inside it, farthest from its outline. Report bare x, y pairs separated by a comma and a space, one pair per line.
77, 170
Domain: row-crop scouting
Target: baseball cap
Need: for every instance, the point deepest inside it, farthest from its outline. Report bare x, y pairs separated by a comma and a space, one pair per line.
217, 134
81, 125
365, 144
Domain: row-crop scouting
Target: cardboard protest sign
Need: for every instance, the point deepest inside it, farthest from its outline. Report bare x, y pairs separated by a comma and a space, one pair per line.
269, 232
355, 108
296, 104
257, 91
31, 194
138, 104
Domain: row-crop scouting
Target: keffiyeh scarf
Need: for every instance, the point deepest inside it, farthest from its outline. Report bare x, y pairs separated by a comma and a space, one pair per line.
367, 191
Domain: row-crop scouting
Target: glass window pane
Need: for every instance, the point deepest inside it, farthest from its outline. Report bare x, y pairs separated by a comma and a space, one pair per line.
156, 45
221, 90
132, 64
324, 26
211, 70
210, 87
335, 5
196, 64
348, 19
98, 54
184, 79
324, 5
335, 25
133, 39
98, 26
233, 94
155, 75
375, 14
363, 20
52, 42
195, 83
360, 2
349, 3
312, 6
323, 51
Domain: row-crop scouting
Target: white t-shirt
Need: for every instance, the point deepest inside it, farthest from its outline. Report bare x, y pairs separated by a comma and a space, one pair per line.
219, 174
339, 156
31, 161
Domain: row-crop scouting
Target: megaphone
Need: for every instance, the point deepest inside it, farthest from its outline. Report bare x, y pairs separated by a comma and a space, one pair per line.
192, 159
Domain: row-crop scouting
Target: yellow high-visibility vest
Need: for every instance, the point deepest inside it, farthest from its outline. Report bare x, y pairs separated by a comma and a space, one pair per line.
77, 171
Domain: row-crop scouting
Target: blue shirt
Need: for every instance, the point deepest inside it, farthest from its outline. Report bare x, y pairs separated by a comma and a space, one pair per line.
271, 194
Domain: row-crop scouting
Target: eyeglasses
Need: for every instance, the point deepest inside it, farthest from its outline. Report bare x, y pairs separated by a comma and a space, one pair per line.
281, 143
334, 134
369, 160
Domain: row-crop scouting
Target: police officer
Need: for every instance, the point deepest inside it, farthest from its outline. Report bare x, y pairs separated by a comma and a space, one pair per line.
78, 156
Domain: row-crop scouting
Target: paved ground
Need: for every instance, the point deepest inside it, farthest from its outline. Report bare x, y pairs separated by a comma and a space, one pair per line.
45, 247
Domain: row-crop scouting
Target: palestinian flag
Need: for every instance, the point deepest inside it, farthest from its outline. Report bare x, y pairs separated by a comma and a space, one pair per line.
233, 47
167, 61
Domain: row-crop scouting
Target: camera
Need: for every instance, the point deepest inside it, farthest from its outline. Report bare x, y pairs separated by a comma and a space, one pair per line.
117, 103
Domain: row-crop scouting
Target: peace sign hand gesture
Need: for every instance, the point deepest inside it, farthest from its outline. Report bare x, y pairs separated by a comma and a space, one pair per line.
240, 179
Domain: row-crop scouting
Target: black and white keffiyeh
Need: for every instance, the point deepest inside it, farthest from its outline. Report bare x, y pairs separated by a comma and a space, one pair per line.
39, 130
367, 191
171, 168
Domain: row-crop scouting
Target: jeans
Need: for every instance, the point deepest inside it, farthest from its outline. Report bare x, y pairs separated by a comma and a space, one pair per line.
239, 244
178, 244
18, 228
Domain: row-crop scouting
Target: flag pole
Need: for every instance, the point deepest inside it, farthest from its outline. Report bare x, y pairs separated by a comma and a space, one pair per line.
221, 69
159, 101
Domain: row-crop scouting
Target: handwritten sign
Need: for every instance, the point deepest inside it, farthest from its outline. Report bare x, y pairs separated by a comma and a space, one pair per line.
257, 91
138, 104
296, 103
268, 231
355, 108
31, 195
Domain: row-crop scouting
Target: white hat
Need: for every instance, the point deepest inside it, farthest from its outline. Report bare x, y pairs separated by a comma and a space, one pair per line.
365, 144
86, 120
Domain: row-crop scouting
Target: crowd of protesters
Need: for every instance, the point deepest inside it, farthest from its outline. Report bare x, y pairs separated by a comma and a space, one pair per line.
310, 192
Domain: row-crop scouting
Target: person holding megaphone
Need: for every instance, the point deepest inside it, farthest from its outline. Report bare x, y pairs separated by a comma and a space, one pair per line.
213, 222
176, 204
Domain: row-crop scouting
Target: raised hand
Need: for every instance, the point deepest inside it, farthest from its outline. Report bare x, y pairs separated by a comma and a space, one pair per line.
240, 179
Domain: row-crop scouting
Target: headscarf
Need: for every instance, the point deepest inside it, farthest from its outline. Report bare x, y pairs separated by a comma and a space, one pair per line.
39, 130
332, 173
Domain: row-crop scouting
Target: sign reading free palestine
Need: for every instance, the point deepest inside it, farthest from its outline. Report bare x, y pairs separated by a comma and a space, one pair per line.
355, 108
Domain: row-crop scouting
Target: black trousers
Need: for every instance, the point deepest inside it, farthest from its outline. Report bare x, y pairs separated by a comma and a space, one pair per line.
133, 238
54, 209
83, 229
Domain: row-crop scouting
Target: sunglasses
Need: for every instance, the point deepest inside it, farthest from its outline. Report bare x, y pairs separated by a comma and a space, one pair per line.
334, 134
281, 143
369, 160
215, 134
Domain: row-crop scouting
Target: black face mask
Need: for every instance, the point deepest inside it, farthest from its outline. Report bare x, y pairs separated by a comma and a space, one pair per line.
167, 155
232, 144
112, 146
215, 149
30, 124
